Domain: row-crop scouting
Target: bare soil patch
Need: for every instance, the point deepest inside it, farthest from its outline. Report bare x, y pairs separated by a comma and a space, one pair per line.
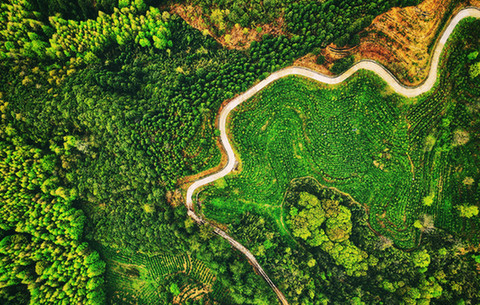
401, 39
237, 37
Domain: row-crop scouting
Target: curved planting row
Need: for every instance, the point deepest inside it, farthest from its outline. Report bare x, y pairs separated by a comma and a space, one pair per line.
166, 265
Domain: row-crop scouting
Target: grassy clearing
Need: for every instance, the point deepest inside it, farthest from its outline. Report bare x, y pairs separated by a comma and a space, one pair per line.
399, 157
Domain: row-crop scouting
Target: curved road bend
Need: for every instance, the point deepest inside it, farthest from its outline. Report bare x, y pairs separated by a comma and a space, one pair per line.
370, 65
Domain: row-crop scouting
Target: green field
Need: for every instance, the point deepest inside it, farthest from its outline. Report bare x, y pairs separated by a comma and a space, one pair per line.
400, 158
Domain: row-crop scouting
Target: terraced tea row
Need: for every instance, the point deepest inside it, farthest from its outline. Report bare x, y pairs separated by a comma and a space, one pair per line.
162, 266
142, 279
295, 129
389, 152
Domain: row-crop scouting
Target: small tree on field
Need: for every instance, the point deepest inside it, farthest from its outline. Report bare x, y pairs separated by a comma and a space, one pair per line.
320, 59
468, 211
425, 223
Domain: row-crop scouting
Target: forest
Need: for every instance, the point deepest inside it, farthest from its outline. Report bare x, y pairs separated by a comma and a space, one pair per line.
106, 105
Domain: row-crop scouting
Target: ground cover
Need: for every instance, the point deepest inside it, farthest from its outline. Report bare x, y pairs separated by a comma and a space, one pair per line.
160, 279
434, 140
338, 259
123, 118
399, 157
294, 129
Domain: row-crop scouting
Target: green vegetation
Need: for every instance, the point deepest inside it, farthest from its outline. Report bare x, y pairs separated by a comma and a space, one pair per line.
107, 105
440, 270
389, 153
296, 129
123, 129
334, 237
342, 64
160, 279
474, 64
412, 163
25, 35
41, 248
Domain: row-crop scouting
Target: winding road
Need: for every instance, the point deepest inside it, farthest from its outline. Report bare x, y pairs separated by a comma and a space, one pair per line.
370, 65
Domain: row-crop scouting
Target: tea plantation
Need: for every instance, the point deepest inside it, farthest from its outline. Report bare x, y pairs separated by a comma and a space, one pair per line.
400, 158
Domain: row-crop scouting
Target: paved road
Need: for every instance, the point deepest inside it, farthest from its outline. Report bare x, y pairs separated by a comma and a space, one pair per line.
365, 65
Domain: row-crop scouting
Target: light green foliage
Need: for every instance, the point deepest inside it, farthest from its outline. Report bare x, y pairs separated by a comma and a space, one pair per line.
123, 26
174, 289
90, 58
421, 259
473, 55
427, 290
268, 244
221, 183
57, 266
21, 31
69, 143
474, 67
149, 208
331, 207
139, 5
308, 200
349, 256
123, 3
339, 227
293, 211
388, 286
417, 224
475, 70
357, 301
428, 200
217, 17
468, 211
429, 142
318, 238
25, 36
306, 223
476, 258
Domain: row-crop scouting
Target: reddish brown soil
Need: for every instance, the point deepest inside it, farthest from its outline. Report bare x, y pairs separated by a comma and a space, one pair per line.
401, 39
235, 38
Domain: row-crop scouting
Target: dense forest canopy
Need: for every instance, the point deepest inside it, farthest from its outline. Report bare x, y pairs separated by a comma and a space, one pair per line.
107, 105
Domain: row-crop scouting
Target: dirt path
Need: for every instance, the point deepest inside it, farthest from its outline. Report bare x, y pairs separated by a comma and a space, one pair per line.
373, 66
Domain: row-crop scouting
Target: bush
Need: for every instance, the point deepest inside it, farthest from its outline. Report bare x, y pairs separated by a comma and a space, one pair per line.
342, 64
320, 60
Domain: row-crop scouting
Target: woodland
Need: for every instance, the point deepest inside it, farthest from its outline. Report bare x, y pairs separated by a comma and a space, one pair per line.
105, 106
